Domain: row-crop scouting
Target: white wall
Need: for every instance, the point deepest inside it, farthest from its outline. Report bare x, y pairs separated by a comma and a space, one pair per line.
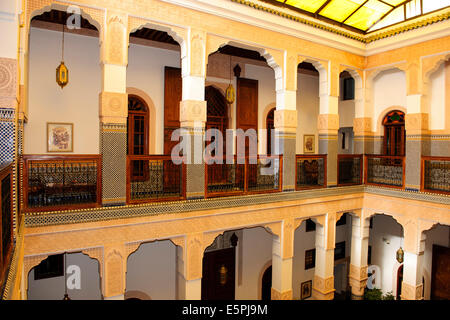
384, 251
152, 270
53, 288
437, 99
308, 103
146, 72
76, 103
389, 89
307, 240
257, 251
266, 96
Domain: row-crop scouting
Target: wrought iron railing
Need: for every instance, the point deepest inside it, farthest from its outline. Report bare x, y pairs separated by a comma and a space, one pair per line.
349, 169
61, 182
388, 171
154, 178
310, 171
6, 220
246, 175
435, 172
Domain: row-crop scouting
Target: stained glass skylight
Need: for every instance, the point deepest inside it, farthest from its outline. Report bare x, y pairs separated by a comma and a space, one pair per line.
364, 15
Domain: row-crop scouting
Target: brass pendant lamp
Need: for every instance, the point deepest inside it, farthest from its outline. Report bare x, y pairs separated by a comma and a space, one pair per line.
62, 73
230, 93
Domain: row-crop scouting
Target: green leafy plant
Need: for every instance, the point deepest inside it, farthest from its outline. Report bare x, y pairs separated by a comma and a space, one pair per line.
373, 294
377, 294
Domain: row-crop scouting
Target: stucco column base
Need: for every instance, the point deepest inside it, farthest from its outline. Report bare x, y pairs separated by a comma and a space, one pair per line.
277, 295
322, 289
357, 280
411, 292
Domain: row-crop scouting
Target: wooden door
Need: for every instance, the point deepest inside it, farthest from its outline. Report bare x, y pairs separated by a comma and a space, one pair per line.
218, 280
266, 285
399, 282
270, 125
172, 98
440, 275
247, 116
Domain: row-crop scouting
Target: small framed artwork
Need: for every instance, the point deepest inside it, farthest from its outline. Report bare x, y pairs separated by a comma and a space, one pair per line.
309, 143
59, 137
306, 289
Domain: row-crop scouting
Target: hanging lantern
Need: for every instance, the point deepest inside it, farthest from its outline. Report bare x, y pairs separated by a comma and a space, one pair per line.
223, 275
400, 255
62, 73
230, 94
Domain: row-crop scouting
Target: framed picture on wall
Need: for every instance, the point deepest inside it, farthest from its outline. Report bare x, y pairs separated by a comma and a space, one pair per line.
59, 137
309, 143
306, 289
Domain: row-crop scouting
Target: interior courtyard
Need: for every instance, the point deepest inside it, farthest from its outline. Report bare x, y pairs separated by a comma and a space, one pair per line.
225, 150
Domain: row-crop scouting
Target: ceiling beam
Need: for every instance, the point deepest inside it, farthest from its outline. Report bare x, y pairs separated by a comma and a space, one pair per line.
360, 6
322, 6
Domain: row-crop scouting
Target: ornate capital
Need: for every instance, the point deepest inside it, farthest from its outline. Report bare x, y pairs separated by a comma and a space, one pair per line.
194, 256
113, 107
286, 120
328, 123
192, 113
416, 123
362, 126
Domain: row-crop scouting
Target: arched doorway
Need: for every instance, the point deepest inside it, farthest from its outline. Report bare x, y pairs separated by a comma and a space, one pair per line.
137, 134
270, 125
399, 282
266, 285
394, 133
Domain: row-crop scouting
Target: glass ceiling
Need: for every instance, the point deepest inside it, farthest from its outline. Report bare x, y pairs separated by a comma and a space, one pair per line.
364, 15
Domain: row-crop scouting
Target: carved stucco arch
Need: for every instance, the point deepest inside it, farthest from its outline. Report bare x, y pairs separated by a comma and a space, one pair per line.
179, 34
136, 294
274, 57
379, 123
37, 7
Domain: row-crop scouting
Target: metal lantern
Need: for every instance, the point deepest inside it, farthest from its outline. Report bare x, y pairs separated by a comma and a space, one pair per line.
230, 94
223, 272
400, 255
62, 73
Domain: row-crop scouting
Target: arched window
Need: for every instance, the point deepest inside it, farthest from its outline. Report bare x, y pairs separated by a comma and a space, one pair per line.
137, 135
394, 133
270, 125
217, 111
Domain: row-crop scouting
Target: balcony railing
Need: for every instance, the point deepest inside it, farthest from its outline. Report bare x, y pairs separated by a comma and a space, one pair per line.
261, 174
61, 182
6, 220
388, 171
154, 178
435, 173
310, 171
350, 169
